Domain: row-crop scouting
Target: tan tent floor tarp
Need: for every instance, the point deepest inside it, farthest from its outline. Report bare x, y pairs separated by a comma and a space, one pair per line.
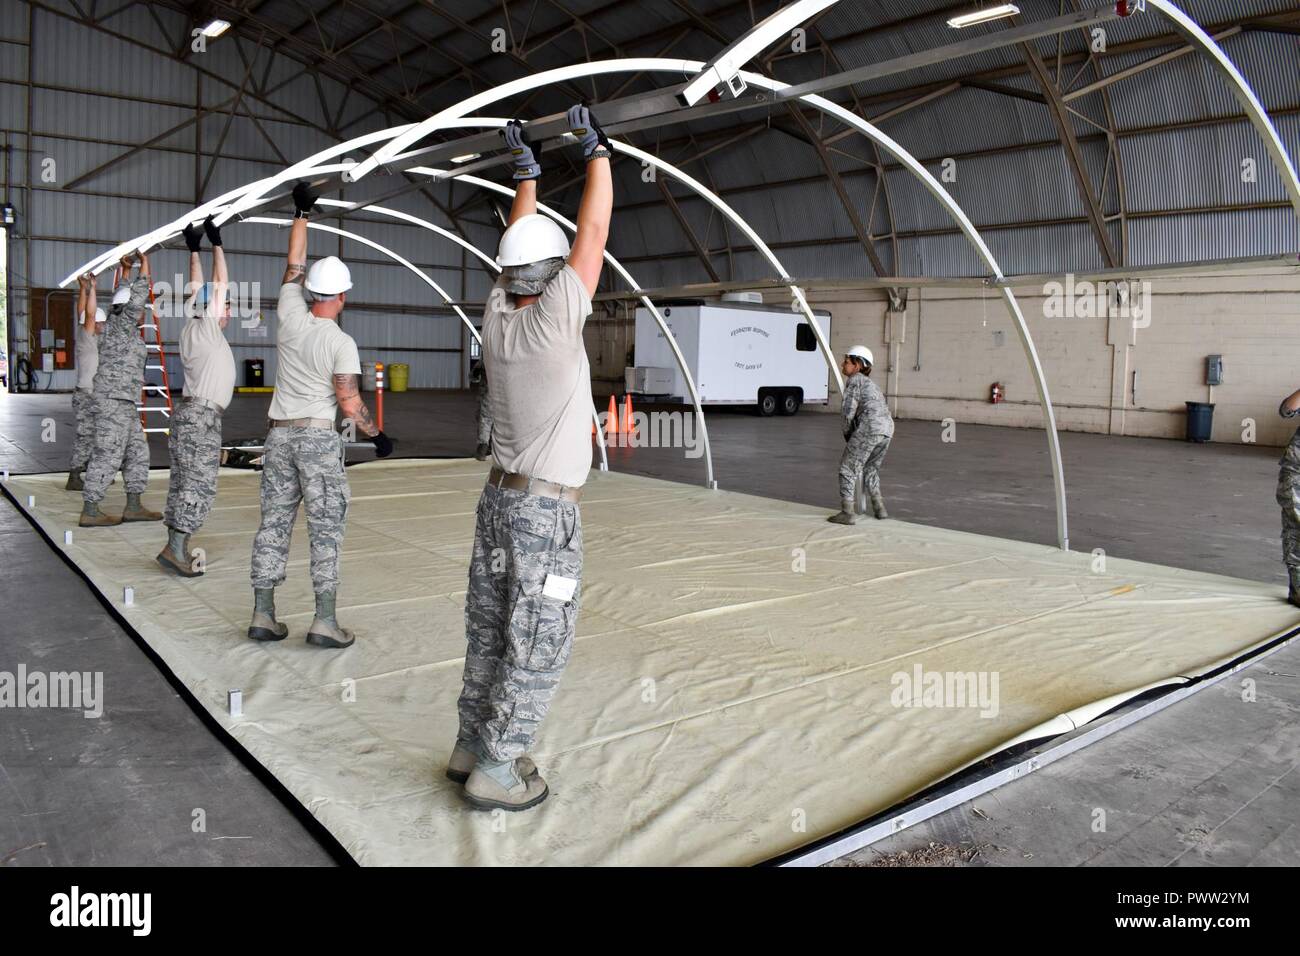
734, 691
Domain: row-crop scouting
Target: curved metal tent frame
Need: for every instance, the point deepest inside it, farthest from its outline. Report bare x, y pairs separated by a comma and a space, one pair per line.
455, 114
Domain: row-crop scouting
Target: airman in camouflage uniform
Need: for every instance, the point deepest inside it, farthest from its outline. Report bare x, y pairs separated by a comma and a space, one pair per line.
194, 442
120, 442
318, 374
525, 575
1288, 497
867, 427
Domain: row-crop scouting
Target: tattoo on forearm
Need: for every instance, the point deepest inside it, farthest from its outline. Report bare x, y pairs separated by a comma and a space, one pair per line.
347, 391
296, 272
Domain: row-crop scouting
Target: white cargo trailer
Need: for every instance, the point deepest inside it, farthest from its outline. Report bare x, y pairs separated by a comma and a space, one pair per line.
740, 353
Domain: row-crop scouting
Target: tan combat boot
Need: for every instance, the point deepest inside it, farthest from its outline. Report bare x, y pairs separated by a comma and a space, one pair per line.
264, 626
878, 507
75, 482
176, 556
464, 759
846, 515
92, 517
325, 630
137, 512
504, 787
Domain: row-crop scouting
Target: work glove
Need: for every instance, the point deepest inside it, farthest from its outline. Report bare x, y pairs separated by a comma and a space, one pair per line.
525, 154
213, 231
193, 237
588, 132
304, 198
383, 445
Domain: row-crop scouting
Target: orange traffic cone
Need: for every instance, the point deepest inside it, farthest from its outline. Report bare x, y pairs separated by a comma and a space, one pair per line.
629, 426
611, 420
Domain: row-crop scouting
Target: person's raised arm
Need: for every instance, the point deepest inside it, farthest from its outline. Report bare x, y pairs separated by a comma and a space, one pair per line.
220, 274
92, 304
527, 169
304, 199
1290, 405
83, 291
588, 253
194, 242
135, 309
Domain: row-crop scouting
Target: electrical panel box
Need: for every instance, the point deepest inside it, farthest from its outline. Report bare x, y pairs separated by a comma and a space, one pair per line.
1214, 370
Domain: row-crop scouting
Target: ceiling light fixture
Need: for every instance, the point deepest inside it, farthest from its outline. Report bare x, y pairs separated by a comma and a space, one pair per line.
984, 16
216, 28
466, 158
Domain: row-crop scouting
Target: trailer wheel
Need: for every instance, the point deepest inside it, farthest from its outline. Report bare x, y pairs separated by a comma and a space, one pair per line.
767, 403
791, 401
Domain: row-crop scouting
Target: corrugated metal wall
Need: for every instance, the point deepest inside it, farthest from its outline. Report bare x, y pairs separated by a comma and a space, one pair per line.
394, 316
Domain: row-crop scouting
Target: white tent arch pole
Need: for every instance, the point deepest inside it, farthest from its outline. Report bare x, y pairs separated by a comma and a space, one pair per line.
972, 234
457, 112
271, 221
155, 237
617, 266
422, 223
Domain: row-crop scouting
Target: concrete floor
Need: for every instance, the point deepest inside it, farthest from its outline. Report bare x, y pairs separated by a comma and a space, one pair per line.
123, 789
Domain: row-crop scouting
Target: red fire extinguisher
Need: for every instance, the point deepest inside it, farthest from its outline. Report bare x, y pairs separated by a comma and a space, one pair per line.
997, 393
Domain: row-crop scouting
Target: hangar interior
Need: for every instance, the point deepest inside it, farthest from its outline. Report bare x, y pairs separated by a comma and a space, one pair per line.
1074, 197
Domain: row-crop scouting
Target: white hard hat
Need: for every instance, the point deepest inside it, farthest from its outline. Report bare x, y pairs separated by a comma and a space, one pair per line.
328, 276
532, 238
122, 295
861, 352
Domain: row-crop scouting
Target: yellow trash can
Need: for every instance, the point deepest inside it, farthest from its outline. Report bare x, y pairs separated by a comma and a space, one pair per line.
399, 373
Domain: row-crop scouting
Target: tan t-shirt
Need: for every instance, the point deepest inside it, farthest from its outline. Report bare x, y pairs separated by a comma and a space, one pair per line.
87, 355
310, 352
541, 382
206, 357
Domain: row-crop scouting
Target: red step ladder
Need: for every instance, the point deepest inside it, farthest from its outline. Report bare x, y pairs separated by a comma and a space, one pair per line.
158, 390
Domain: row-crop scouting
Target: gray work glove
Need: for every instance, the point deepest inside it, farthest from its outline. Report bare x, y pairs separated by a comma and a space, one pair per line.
525, 154
587, 131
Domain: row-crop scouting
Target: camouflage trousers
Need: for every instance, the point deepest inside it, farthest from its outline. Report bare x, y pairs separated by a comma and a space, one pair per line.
521, 611
862, 457
83, 407
484, 416
301, 465
119, 444
195, 447
1288, 497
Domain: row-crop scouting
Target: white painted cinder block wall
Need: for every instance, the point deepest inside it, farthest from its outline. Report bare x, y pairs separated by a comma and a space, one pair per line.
1252, 320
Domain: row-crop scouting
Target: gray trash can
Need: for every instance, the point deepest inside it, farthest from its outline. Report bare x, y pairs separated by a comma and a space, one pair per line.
1200, 421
